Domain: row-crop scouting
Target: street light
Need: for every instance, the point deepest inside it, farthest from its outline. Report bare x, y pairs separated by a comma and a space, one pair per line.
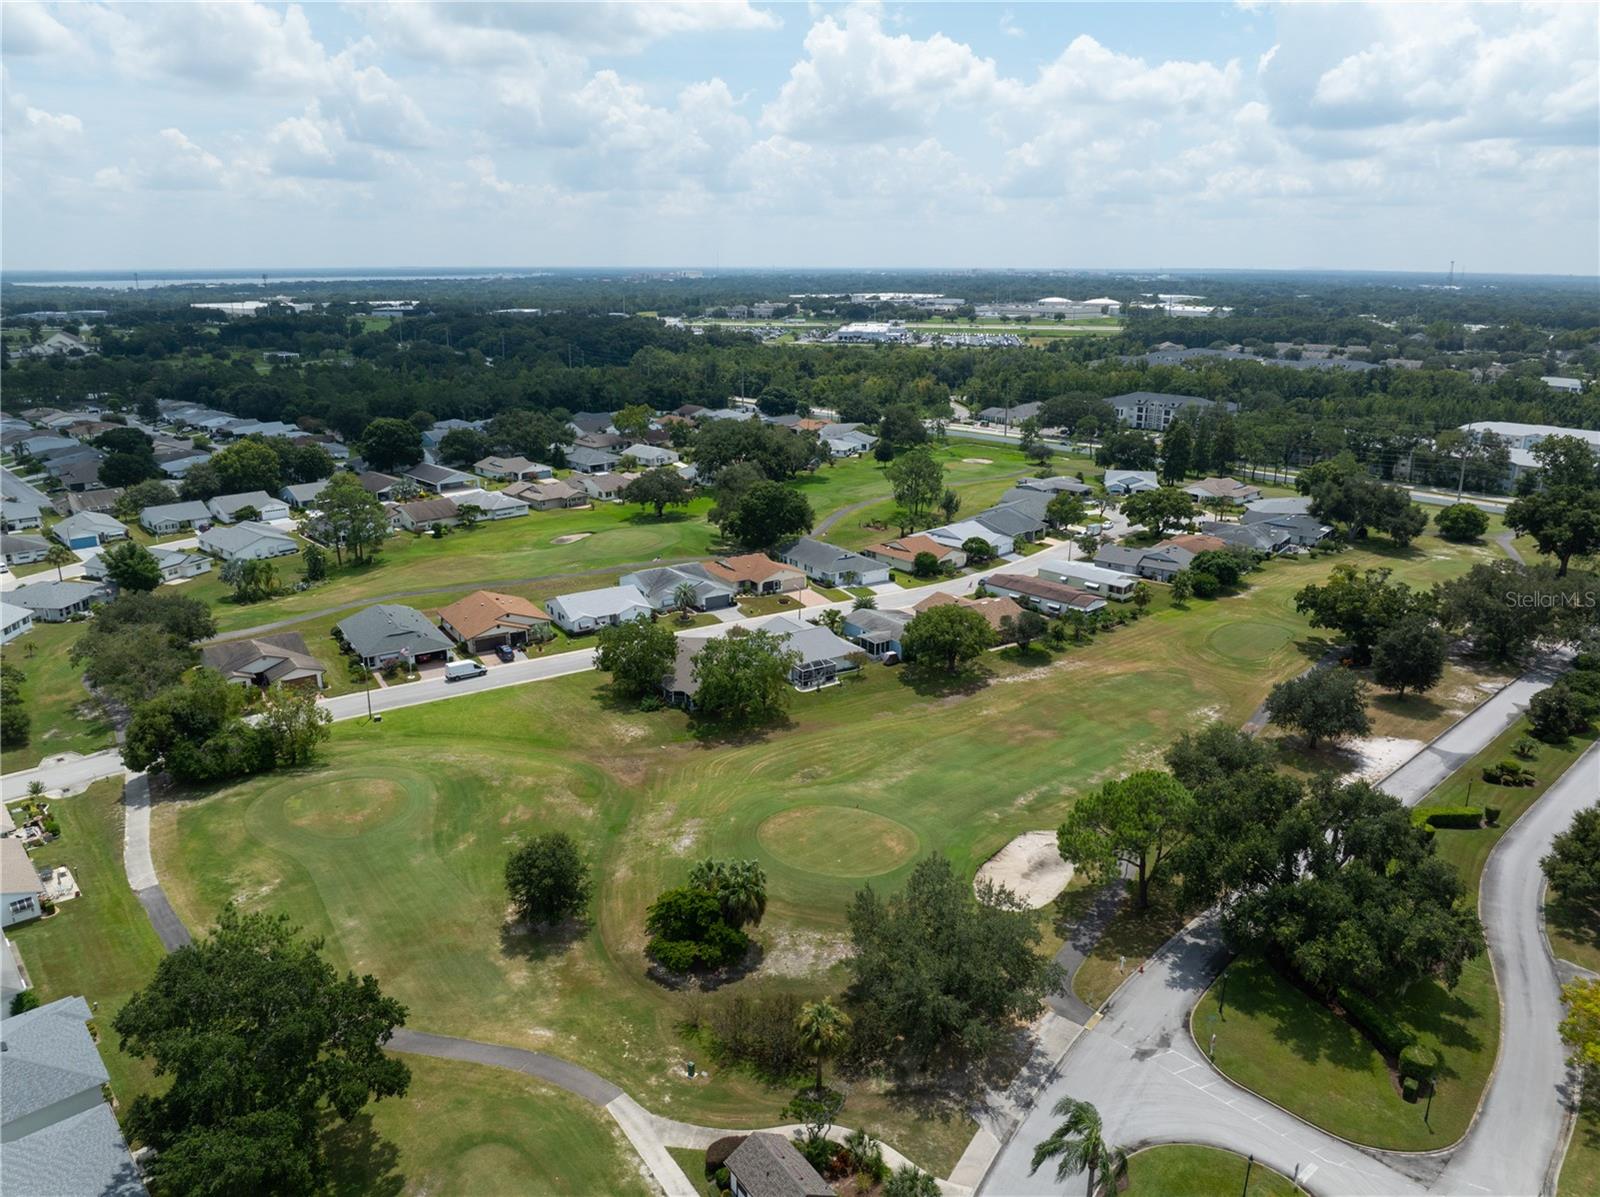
1249, 1164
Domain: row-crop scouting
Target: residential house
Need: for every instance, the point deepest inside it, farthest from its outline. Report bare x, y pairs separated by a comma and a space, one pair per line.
301, 495
756, 573
604, 486
227, 507
167, 518
421, 514
20, 888
1072, 486
17, 515
1154, 412
57, 602
279, 659
678, 688
58, 1134
247, 540
830, 565
389, 632
1292, 505
432, 436
1253, 538
957, 534
14, 621
175, 564
589, 610
1050, 598
491, 504
80, 472
767, 1165
1193, 543
1013, 520
1010, 415
1230, 490
176, 463
1304, 530
548, 495
591, 421
515, 469
877, 632
902, 552
995, 610
660, 586
1160, 562
88, 530
40, 445
1129, 482
591, 461
650, 457
102, 500
440, 479
1096, 579
485, 619
845, 440
379, 486
823, 655
23, 550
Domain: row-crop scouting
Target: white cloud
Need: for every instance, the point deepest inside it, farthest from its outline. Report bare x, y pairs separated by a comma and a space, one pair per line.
31, 131
859, 84
27, 29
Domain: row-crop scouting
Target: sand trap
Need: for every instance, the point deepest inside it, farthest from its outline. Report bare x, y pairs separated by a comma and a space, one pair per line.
1378, 756
1030, 867
978, 460
570, 537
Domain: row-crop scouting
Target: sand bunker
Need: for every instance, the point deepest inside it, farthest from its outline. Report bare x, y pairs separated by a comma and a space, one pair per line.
978, 460
570, 537
1378, 756
1030, 867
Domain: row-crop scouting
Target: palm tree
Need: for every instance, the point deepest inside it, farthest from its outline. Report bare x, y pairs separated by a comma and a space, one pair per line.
743, 893
1078, 1145
822, 1028
684, 599
832, 619
59, 555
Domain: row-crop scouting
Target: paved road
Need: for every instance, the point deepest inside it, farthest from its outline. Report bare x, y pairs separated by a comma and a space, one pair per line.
67, 772
558, 1072
1515, 1145
1140, 1066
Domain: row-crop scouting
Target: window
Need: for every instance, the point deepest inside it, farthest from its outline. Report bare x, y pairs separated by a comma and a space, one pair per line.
22, 905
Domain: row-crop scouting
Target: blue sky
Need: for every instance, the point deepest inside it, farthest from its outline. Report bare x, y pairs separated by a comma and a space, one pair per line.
750, 134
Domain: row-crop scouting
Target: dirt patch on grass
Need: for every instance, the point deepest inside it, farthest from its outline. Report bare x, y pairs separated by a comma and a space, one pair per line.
1031, 867
570, 538
1378, 756
978, 460
792, 953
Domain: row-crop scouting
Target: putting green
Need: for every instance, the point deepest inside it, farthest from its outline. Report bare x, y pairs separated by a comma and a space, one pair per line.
1249, 639
837, 841
360, 805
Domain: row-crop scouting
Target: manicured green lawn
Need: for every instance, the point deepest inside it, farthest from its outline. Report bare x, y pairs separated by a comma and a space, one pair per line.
100, 945
1574, 933
693, 1163
1580, 1172
63, 718
868, 777
1130, 938
1274, 1039
1183, 1171
469, 1129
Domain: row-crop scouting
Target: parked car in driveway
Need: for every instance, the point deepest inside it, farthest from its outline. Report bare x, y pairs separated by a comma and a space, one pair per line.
506, 653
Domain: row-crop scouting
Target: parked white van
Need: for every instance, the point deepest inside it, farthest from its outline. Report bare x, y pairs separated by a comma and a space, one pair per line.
459, 670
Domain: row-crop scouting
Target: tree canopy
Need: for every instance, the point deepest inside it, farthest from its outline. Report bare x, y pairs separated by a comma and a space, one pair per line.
1139, 821
950, 635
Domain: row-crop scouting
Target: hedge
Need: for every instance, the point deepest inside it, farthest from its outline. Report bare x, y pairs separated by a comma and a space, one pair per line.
1491, 815
1375, 1022
1420, 1062
1410, 1088
1458, 817
719, 1151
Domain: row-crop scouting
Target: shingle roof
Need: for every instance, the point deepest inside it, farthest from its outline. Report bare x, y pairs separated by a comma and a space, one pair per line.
817, 554
485, 611
607, 600
231, 538
748, 567
85, 522
390, 629
17, 876
82, 1154
287, 648
771, 1166
49, 596
49, 1055
1034, 587
906, 548
228, 504
186, 512
428, 511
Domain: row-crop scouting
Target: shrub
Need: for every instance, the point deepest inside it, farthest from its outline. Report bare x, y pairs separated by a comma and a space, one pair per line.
819, 1153
1491, 815
1375, 1023
25, 1000
721, 1176
1587, 662
758, 1030
1420, 1062
1526, 747
1559, 712
719, 1151
1458, 818
1410, 1088
651, 702
1507, 773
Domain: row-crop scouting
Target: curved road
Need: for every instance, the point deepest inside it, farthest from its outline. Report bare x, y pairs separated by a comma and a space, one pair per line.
1140, 1066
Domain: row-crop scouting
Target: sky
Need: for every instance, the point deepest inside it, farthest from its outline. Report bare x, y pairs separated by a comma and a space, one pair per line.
747, 134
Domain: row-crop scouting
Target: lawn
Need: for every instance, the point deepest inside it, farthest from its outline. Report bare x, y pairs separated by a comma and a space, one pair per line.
1274, 1039
1574, 933
693, 1163
469, 1129
54, 697
1580, 1173
430, 801
1130, 938
1184, 1171
100, 945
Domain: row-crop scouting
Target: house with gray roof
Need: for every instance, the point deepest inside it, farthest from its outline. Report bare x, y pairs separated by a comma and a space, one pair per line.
14, 621
58, 1134
166, 518
440, 479
1010, 415
831, 565
957, 534
1013, 520
650, 456
303, 494
1253, 538
281, 658
23, 550
515, 469
767, 1165
591, 461
590, 610
491, 504
57, 602
1056, 485
660, 586
1292, 505
822, 655
248, 540
1304, 530
390, 632
227, 507
175, 564
20, 888
88, 530
877, 632
1129, 482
